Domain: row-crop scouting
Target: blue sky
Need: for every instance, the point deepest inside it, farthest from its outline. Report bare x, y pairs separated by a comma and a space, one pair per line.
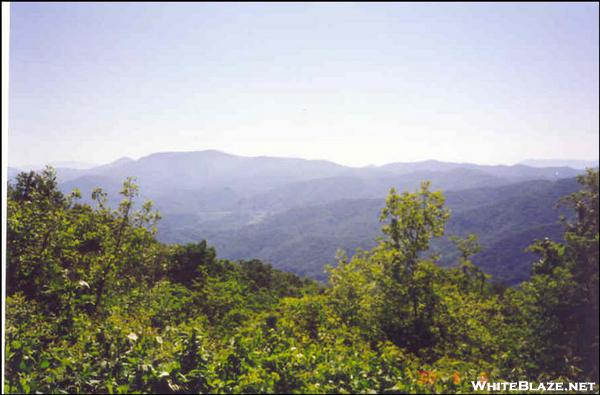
354, 83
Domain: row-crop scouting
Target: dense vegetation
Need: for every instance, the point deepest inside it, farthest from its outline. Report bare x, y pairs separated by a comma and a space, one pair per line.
96, 304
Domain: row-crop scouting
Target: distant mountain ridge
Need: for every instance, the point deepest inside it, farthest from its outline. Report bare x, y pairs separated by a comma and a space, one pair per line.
247, 206
212, 168
60, 164
572, 163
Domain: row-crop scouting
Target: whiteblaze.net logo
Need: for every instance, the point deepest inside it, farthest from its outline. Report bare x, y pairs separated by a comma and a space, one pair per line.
550, 386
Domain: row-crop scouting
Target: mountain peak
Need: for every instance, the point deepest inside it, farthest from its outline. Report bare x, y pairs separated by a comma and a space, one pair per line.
124, 159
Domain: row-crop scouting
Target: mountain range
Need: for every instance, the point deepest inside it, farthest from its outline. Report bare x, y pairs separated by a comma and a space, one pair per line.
296, 213
573, 163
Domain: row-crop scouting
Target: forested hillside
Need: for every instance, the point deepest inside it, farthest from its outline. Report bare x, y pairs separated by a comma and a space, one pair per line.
96, 304
305, 239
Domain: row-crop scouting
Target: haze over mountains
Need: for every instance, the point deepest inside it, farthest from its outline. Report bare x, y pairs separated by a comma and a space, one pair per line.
575, 164
295, 213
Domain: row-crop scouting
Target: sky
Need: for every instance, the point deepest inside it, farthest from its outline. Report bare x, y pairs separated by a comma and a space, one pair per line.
356, 84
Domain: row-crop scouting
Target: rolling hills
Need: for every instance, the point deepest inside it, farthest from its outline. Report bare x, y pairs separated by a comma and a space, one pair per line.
296, 213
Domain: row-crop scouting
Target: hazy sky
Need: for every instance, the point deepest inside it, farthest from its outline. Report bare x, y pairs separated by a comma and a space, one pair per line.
354, 83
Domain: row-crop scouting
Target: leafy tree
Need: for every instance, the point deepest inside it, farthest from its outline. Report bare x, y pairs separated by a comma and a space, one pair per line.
412, 219
582, 243
191, 262
472, 276
556, 311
